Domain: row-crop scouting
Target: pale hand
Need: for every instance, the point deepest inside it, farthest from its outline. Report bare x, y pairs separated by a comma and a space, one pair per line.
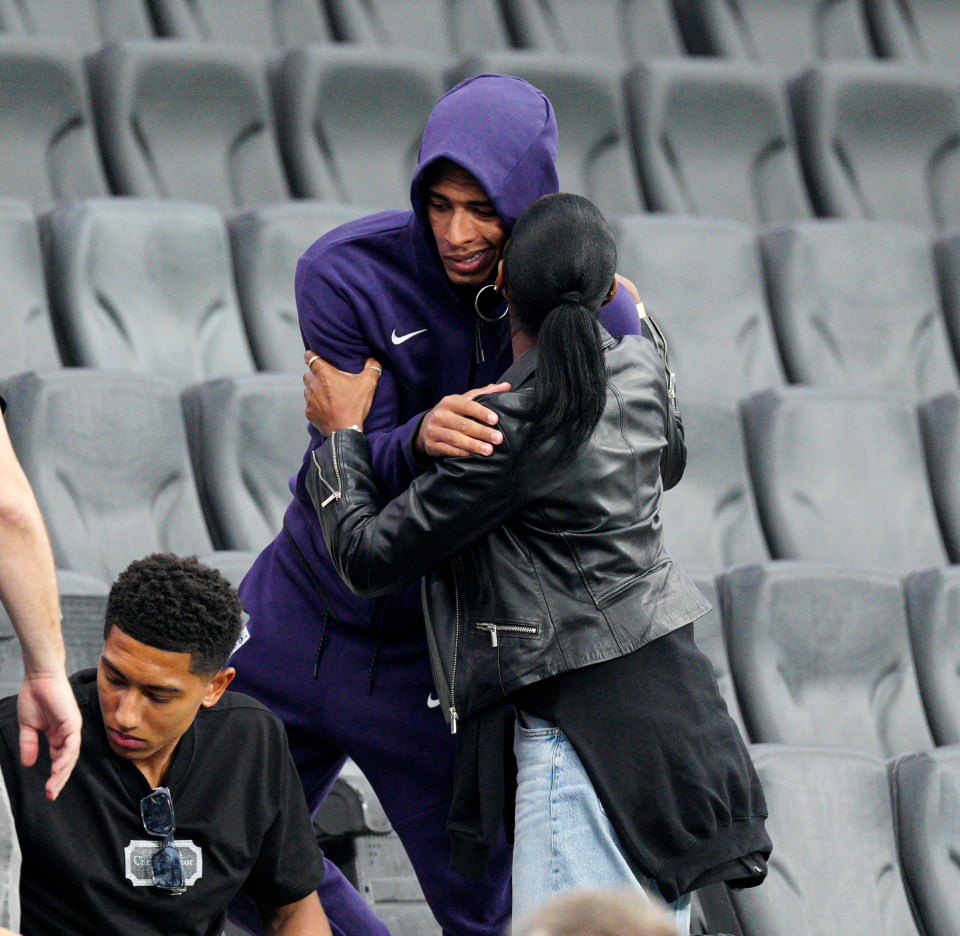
458, 426
337, 399
46, 704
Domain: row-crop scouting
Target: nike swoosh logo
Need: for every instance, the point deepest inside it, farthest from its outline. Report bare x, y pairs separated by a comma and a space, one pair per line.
400, 339
431, 701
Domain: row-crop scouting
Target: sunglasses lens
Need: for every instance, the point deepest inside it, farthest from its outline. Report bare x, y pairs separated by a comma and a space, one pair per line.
156, 810
167, 868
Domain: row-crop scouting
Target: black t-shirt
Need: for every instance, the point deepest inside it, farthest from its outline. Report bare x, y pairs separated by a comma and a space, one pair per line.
241, 824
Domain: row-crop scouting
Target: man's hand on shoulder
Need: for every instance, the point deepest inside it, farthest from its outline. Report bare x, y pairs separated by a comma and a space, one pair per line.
459, 426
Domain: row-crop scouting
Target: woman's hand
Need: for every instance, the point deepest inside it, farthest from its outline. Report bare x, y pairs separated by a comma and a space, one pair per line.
337, 399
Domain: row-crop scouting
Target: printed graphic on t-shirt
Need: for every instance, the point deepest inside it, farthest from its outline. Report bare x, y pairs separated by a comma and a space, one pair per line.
139, 870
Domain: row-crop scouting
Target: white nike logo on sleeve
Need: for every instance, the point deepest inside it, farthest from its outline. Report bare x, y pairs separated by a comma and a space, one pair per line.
400, 339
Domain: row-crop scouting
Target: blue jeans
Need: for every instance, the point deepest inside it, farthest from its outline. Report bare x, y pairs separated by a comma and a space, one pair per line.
563, 838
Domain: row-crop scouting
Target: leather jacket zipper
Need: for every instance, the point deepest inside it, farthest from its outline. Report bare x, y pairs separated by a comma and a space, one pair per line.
334, 494
456, 649
510, 630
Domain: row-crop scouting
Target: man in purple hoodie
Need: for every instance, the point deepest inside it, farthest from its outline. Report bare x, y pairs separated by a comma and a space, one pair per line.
350, 677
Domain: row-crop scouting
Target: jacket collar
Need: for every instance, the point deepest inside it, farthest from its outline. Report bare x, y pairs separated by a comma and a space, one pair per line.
523, 368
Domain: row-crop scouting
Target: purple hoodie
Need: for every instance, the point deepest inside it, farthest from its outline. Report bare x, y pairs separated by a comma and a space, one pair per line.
376, 287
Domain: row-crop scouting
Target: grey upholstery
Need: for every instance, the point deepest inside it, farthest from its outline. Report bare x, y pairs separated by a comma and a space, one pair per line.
856, 304
925, 788
441, 28
834, 866
839, 477
350, 121
146, 286
933, 612
187, 120
89, 23
710, 518
715, 138
25, 324
247, 436
926, 31
232, 564
702, 280
946, 250
266, 243
785, 34
621, 30
708, 633
106, 454
881, 142
47, 146
940, 424
594, 156
820, 655
262, 24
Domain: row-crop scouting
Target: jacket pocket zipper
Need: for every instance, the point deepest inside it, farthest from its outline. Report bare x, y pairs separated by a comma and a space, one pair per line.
334, 493
508, 630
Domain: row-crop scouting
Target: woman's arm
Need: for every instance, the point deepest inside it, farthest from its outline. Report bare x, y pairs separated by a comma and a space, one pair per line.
303, 918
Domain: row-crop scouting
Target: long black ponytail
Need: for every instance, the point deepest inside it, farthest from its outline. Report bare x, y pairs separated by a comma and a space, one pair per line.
559, 266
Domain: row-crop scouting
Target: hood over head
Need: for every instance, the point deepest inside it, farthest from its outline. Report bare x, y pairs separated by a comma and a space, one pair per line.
503, 131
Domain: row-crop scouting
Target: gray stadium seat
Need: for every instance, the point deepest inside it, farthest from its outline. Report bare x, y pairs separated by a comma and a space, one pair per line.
187, 120
834, 867
106, 454
88, 23
594, 158
856, 304
708, 633
940, 424
28, 341
880, 142
946, 250
784, 34
820, 655
715, 138
247, 436
232, 564
621, 30
267, 242
710, 518
925, 31
933, 611
925, 789
262, 24
146, 286
702, 280
839, 477
47, 146
441, 28
350, 121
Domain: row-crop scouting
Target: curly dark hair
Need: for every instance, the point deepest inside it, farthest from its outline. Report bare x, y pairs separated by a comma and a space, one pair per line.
179, 604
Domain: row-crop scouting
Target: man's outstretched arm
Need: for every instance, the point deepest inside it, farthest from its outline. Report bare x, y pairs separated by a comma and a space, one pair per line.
28, 590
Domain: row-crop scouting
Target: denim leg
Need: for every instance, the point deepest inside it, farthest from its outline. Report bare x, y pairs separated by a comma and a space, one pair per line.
563, 838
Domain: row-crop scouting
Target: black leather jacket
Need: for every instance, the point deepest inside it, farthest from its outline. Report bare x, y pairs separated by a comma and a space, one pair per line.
531, 566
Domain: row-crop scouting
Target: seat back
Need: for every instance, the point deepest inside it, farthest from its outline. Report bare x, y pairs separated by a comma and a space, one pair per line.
925, 31
710, 519
702, 280
266, 243
598, 29
946, 251
264, 25
925, 788
335, 144
881, 142
820, 655
106, 454
715, 138
834, 868
594, 157
933, 612
187, 120
47, 146
146, 286
246, 436
785, 34
25, 324
839, 477
444, 28
940, 424
855, 304
88, 23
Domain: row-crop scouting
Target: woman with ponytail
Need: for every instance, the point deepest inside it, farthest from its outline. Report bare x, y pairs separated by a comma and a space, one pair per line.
552, 606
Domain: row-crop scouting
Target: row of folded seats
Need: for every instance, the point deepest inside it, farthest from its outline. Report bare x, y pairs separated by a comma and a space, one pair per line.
700, 136
787, 34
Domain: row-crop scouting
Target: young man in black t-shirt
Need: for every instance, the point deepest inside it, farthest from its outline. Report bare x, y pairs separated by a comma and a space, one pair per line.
184, 794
